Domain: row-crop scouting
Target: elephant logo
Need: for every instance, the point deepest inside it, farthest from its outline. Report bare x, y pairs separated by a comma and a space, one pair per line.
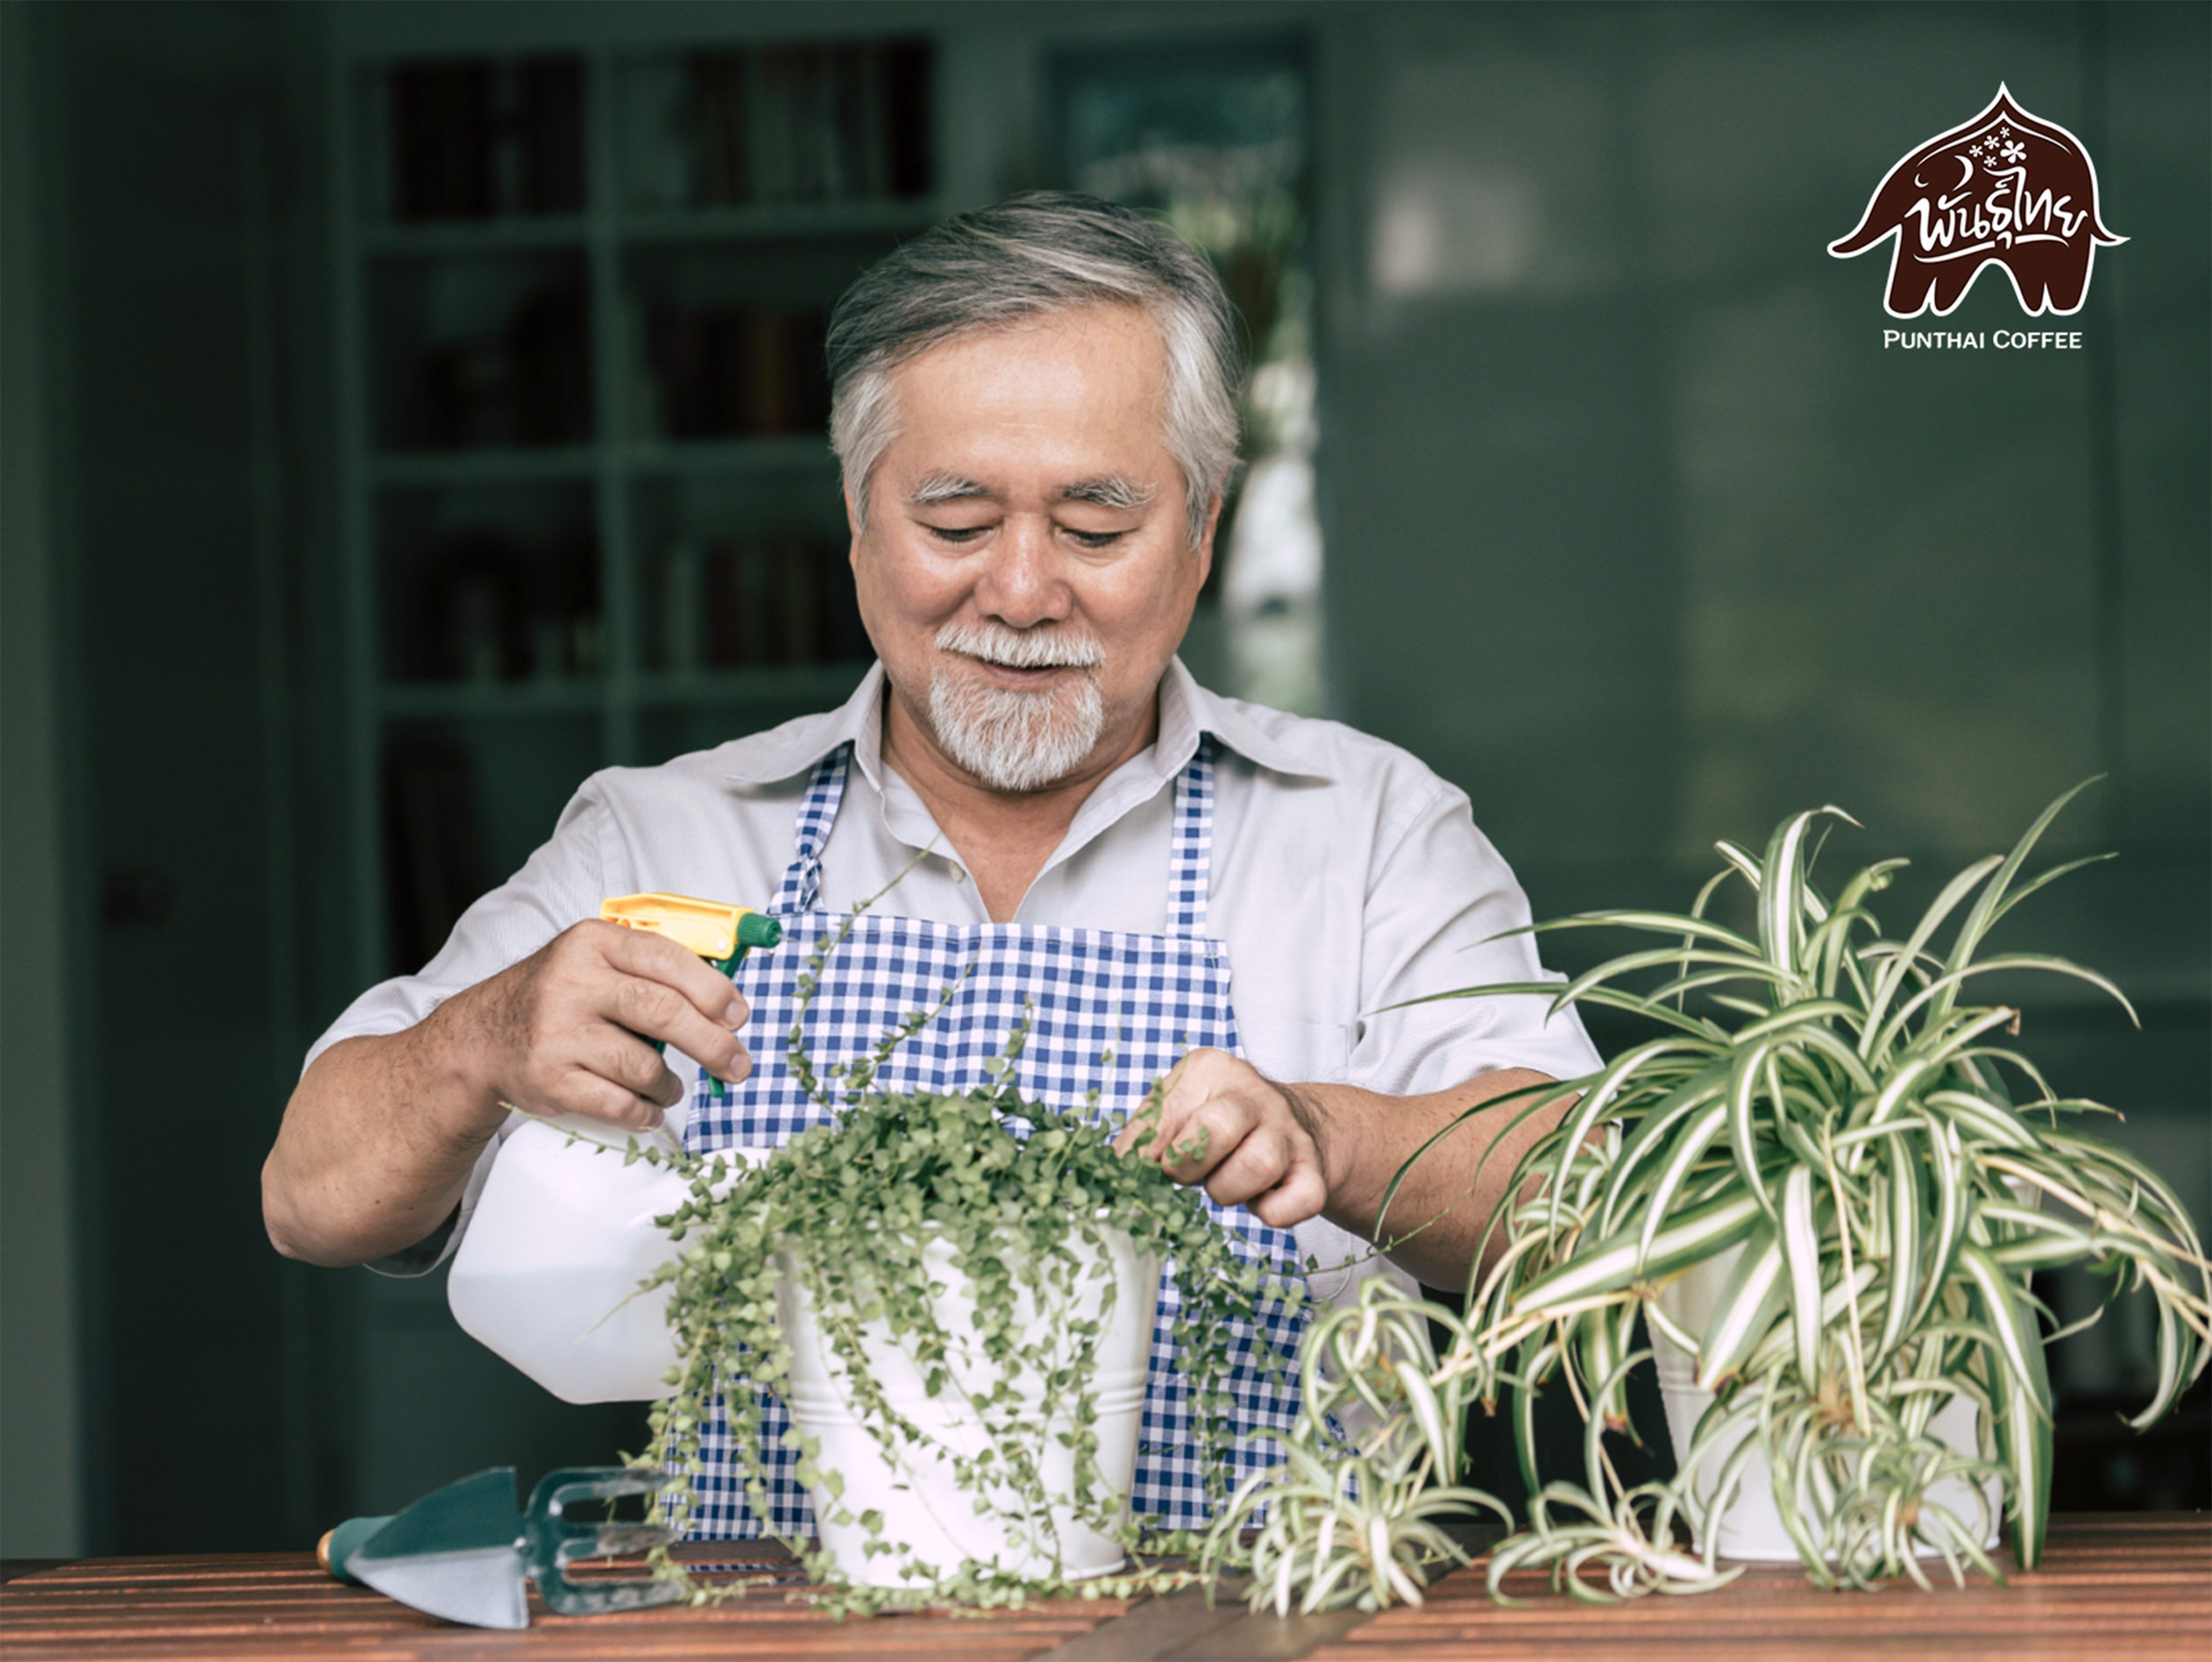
2006, 189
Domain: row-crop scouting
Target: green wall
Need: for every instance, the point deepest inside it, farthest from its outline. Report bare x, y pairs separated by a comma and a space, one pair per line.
1638, 531
40, 1426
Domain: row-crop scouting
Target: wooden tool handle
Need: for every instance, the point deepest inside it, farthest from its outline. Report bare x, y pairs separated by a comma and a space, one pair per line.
339, 1545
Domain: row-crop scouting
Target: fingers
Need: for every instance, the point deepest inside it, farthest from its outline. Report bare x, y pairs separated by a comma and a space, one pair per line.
1222, 1125
602, 1072
1301, 1194
569, 1029
664, 993
1259, 1160
653, 1010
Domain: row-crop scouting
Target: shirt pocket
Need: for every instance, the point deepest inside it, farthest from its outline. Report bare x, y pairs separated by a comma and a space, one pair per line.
1294, 1050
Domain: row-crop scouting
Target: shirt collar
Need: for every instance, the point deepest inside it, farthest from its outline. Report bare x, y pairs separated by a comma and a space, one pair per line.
1187, 710
796, 746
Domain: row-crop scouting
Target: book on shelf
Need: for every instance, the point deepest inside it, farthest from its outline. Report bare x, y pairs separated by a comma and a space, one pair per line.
791, 123
735, 371
775, 597
474, 139
482, 606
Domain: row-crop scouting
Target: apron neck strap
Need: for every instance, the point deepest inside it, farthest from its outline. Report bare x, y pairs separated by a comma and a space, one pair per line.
1190, 859
802, 878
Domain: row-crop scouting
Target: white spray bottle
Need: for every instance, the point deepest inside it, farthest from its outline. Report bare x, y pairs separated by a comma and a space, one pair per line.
547, 1276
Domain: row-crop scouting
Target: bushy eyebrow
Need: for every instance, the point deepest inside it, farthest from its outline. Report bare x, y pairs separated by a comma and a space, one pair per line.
936, 487
1107, 491
1110, 491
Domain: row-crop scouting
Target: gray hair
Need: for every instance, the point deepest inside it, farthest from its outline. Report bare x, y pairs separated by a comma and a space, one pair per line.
1044, 252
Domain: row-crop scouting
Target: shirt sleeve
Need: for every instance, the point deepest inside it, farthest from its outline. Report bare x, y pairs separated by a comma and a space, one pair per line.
1438, 907
561, 884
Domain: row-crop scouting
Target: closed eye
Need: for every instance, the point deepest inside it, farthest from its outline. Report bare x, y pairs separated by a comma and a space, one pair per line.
955, 535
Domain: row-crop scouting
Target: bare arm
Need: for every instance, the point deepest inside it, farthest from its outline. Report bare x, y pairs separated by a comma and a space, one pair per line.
380, 1137
1292, 1152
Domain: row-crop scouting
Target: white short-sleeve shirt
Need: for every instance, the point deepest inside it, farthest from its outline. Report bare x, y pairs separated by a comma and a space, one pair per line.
1346, 878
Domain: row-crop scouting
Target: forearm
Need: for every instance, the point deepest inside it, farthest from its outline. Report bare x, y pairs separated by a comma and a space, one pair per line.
377, 1142
1441, 1211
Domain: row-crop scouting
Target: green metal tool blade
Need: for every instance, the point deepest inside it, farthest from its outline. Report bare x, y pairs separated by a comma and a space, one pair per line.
457, 1552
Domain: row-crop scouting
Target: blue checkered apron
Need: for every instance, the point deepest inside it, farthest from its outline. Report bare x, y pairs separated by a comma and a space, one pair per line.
1112, 1013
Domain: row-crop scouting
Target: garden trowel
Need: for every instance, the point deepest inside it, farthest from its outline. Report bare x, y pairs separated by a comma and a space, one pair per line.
463, 1554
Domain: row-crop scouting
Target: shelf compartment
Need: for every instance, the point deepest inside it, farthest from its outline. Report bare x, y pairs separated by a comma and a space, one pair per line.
743, 570
492, 586
480, 352
783, 122
724, 340
476, 141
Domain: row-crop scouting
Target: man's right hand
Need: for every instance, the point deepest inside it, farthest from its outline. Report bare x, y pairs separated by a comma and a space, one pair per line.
565, 1030
381, 1134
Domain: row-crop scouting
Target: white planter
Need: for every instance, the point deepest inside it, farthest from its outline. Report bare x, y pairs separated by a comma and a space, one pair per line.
1750, 1528
922, 1507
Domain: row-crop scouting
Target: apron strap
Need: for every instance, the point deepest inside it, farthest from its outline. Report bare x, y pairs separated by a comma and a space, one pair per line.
1190, 861
802, 879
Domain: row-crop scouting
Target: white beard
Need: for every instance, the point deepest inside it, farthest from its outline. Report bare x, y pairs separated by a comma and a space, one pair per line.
1012, 740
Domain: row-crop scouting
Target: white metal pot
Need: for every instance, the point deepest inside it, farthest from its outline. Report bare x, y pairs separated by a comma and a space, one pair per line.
922, 1507
1750, 1526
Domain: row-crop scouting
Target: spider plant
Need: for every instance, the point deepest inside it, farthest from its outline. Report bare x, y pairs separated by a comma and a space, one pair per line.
1825, 1103
1335, 1524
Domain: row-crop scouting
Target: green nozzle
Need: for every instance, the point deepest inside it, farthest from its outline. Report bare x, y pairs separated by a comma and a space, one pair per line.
756, 929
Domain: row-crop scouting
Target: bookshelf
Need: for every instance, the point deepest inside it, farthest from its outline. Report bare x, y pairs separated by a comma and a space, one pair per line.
592, 515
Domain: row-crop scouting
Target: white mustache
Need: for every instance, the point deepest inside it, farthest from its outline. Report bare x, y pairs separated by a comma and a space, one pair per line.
1020, 649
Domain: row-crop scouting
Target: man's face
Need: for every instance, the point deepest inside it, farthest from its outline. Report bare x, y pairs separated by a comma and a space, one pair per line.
1026, 571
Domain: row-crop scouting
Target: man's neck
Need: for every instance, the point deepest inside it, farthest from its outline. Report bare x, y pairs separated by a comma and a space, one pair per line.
1003, 837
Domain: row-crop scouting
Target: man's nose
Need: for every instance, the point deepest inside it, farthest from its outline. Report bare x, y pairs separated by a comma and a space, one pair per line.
1022, 585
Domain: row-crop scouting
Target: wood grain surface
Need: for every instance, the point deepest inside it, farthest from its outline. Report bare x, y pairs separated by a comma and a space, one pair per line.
275, 1607
2117, 1588
2137, 1587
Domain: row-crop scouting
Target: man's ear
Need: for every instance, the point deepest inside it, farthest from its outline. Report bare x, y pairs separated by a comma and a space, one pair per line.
852, 528
1205, 539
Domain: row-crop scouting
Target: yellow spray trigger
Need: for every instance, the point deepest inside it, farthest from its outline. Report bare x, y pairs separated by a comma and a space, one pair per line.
718, 933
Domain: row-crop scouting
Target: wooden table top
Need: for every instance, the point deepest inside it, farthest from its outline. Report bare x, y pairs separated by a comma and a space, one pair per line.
2132, 1586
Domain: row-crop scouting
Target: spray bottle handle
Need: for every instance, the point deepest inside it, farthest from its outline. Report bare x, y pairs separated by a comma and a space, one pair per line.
720, 933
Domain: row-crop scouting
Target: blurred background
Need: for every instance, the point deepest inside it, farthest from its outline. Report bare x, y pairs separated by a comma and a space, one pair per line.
409, 408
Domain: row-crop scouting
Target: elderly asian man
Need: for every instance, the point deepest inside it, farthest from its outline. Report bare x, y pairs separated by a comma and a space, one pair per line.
1034, 406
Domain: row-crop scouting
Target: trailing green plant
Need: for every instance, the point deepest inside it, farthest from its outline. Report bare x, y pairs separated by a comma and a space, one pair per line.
1015, 1189
1823, 1102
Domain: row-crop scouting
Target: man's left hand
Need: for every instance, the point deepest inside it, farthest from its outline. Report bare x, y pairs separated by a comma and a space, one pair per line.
1251, 1141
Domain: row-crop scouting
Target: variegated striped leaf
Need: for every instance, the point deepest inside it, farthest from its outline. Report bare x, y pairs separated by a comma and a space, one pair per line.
1800, 1253
1612, 1266
1745, 1310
